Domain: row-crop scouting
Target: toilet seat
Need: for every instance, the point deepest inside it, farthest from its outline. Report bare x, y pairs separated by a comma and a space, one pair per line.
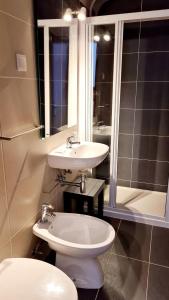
30, 279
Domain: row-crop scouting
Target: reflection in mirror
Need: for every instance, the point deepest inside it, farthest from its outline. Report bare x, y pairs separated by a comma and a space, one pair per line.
103, 56
57, 55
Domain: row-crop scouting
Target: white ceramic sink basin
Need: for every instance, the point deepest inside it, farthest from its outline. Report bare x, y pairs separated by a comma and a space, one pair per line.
81, 156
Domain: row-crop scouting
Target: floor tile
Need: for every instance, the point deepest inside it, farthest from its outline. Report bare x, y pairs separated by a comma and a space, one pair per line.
160, 246
84, 294
158, 283
133, 240
125, 279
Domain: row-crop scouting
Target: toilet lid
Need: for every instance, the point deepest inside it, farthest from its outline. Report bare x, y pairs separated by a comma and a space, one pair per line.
30, 279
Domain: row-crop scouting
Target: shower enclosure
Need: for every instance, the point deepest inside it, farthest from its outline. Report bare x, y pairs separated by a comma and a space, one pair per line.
126, 106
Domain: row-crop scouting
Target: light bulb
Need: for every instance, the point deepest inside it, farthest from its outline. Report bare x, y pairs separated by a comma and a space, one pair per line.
96, 38
107, 37
68, 15
82, 14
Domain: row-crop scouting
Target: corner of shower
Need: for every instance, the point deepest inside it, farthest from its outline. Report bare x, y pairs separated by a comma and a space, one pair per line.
136, 168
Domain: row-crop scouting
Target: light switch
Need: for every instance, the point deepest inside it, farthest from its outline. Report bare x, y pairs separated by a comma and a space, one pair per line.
21, 63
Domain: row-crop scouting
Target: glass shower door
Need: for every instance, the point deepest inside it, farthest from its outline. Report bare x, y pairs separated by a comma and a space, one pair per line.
143, 157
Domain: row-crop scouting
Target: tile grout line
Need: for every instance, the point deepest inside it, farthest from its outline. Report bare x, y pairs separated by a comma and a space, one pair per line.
142, 182
145, 159
145, 135
16, 18
97, 294
149, 263
139, 260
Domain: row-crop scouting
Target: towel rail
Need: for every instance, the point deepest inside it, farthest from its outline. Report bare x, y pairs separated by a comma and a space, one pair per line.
9, 138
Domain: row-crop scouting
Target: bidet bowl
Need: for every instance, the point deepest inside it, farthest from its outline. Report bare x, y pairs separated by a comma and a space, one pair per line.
76, 235
81, 156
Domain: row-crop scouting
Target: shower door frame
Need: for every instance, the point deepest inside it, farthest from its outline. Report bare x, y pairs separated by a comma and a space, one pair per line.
86, 106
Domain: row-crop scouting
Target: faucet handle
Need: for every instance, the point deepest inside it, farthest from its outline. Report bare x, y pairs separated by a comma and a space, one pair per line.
47, 206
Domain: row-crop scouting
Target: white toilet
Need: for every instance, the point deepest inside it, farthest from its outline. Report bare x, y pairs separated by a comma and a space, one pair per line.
30, 279
78, 240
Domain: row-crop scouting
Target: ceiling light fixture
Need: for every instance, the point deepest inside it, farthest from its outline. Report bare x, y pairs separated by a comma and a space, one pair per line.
80, 14
68, 15
107, 37
96, 38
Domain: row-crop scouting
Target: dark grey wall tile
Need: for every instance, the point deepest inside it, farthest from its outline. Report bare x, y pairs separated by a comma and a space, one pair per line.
155, 4
128, 93
131, 37
64, 93
129, 67
125, 279
148, 186
104, 47
104, 68
55, 67
64, 64
154, 36
151, 147
124, 168
64, 115
56, 116
41, 91
118, 7
126, 121
56, 92
50, 9
125, 145
153, 66
158, 287
152, 95
133, 240
150, 172
103, 94
40, 40
84, 294
41, 66
73, 4
160, 246
152, 122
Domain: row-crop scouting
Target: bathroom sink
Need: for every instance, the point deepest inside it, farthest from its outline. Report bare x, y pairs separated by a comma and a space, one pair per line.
81, 156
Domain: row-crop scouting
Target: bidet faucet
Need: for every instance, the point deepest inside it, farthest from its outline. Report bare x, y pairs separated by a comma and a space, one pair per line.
46, 211
69, 141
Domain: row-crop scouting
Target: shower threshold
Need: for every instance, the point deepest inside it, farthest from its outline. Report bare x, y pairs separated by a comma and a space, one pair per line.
139, 201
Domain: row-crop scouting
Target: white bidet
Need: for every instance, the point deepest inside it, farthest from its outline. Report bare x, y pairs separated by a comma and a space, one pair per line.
78, 240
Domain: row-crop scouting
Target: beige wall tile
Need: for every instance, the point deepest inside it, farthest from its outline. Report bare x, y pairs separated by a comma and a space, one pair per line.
24, 241
28, 177
4, 217
5, 251
18, 102
17, 37
19, 8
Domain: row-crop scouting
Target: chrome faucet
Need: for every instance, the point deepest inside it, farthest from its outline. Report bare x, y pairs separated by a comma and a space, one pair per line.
46, 211
99, 124
69, 141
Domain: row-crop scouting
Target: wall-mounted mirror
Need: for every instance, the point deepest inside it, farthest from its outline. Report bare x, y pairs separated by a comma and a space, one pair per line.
57, 68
